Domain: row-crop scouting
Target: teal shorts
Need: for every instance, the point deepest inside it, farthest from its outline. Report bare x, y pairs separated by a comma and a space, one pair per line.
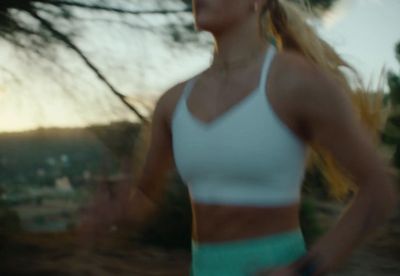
247, 257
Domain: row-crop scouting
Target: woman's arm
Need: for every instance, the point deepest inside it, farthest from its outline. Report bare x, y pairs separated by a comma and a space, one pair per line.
327, 112
141, 198
133, 203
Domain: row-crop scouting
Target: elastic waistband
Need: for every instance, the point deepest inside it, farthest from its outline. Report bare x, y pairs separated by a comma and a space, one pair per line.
273, 238
242, 257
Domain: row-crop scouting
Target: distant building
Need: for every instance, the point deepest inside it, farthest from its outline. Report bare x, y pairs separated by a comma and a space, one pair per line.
63, 184
51, 161
87, 175
40, 172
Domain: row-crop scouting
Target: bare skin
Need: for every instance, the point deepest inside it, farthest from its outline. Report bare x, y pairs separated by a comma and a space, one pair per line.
311, 104
235, 222
215, 93
316, 109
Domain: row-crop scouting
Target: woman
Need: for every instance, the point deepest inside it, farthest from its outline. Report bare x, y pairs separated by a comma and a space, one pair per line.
238, 134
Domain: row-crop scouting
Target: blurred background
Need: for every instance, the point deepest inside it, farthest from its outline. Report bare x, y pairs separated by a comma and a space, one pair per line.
77, 80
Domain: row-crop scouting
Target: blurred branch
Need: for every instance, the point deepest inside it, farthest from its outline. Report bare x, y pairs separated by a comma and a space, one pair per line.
51, 22
86, 60
113, 9
11, 74
38, 35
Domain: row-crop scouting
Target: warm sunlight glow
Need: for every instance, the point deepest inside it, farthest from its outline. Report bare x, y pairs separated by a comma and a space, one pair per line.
364, 32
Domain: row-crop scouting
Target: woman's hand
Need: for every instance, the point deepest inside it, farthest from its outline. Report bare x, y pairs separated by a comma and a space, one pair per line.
309, 264
110, 208
100, 216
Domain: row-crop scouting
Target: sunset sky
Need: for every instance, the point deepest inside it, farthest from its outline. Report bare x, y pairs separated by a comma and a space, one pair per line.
34, 94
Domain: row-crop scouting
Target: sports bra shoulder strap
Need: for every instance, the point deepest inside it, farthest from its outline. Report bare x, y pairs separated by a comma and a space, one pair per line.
267, 64
188, 87
264, 73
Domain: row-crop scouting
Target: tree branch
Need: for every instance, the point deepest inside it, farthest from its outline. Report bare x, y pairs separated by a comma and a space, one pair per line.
112, 9
86, 60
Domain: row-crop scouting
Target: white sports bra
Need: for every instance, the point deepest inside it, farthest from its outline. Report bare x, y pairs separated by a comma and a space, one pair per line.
247, 156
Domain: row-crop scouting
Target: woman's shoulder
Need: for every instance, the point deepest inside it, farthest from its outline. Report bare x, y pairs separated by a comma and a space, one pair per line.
313, 93
294, 70
169, 99
301, 77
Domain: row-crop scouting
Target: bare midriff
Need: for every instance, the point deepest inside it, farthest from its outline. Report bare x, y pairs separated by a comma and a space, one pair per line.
217, 223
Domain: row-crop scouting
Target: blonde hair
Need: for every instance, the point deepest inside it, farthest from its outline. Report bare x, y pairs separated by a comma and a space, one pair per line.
286, 23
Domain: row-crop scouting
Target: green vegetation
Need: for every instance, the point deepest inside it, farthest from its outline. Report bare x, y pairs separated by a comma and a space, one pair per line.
391, 134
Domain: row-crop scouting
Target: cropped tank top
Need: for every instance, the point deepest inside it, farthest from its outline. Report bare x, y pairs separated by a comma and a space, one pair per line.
246, 156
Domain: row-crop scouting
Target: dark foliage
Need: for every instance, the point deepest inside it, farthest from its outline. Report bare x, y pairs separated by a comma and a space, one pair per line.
391, 135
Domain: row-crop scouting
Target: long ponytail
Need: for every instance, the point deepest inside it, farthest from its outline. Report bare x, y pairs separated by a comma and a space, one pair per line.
286, 23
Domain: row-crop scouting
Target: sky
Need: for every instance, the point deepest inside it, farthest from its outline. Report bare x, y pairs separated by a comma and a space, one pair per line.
36, 94
365, 32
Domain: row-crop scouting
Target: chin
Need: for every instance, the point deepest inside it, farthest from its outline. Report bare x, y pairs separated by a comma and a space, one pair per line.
209, 23
205, 25
217, 15
208, 15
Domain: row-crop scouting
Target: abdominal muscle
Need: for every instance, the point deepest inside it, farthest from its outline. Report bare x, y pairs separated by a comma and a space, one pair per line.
217, 223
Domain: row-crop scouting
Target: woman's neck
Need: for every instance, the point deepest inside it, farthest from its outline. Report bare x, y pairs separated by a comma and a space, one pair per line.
239, 42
